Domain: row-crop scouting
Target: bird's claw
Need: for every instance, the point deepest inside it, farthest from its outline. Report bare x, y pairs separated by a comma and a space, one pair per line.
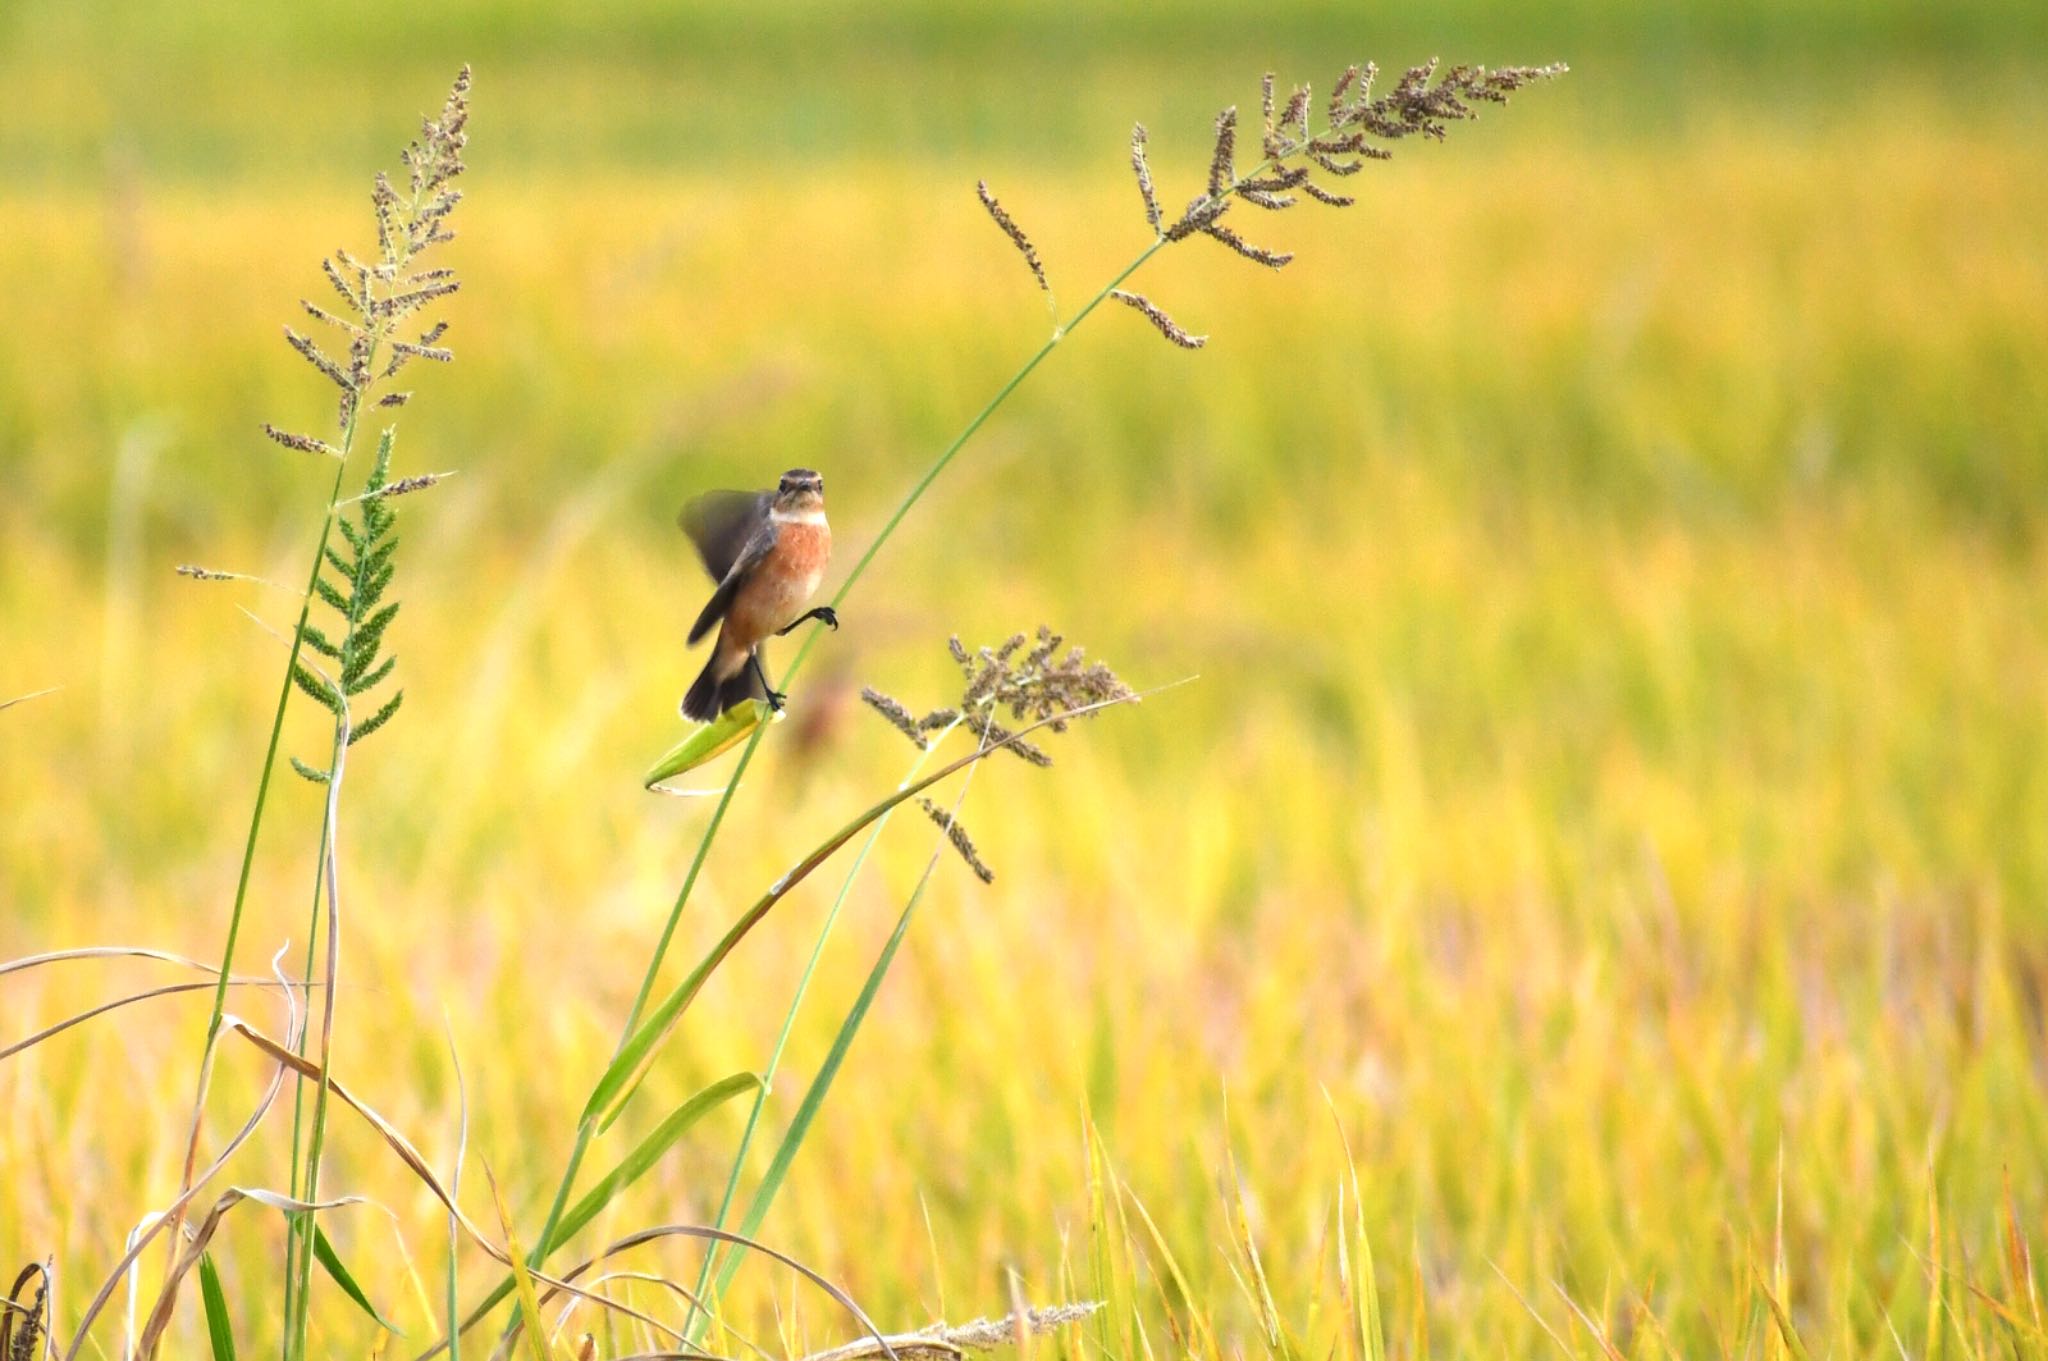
824, 613
777, 699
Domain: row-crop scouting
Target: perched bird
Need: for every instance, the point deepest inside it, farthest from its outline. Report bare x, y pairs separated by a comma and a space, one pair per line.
767, 551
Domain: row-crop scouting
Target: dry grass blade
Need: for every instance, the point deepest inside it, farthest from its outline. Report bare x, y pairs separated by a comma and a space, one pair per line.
2019, 1259
1169, 1269
1252, 1280
416, 1163
148, 994
200, 1235
451, 1298
709, 1234
6, 704
1534, 1313
522, 1280
1607, 1348
1779, 1316
675, 1288
942, 1342
106, 952
407, 1152
193, 1182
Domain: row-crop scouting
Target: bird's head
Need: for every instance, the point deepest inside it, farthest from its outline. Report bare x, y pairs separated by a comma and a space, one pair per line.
800, 492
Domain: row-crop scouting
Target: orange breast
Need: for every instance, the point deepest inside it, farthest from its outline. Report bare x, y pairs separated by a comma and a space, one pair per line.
779, 588
806, 549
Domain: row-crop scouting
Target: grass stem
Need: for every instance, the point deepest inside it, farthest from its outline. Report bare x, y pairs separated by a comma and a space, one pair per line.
227, 963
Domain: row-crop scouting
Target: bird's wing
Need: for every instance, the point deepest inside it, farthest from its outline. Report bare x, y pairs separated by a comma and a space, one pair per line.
720, 523
756, 547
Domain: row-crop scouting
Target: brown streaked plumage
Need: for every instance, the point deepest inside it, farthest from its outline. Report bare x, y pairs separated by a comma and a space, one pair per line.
767, 551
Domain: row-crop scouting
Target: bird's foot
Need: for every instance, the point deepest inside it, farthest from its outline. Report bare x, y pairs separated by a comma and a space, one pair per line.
824, 613
777, 699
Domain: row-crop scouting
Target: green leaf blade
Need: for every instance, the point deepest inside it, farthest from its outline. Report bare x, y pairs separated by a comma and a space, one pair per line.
647, 1153
330, 1261
711, 740
220, 1335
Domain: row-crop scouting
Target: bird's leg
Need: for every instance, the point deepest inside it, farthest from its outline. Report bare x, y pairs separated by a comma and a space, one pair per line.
776, 699
824, 613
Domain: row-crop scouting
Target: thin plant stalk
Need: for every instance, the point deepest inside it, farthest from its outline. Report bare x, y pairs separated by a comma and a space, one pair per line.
586, 1128
299, 1087
301, 1270
433, 160
455, 1193
821, 1084
739, 1157
227, 964
298, 1229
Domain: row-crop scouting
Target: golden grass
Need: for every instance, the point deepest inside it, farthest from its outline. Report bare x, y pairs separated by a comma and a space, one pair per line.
1617, 774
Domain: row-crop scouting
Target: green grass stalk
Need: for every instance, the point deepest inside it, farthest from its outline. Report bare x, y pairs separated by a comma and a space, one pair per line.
739, 1157
227, 963
821, 1085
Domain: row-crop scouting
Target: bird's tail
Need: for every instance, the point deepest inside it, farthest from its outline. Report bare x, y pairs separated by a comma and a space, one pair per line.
720, 686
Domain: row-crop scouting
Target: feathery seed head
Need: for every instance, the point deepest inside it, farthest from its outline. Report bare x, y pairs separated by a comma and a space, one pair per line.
313, 355
899, 717
957, 836
1144, 174
305, 444
1271, 202
1294, 116
1270, 258
1223, 160
1166, 325
405, 486
1014, 232
1340, 89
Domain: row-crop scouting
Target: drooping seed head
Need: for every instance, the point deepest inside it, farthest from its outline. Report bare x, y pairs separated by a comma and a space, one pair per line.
1014, 232
1164, 324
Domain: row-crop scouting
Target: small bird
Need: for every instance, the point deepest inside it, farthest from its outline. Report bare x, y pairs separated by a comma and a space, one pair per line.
767, 550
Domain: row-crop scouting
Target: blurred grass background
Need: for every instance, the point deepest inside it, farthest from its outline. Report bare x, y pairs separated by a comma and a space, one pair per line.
1612, 556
